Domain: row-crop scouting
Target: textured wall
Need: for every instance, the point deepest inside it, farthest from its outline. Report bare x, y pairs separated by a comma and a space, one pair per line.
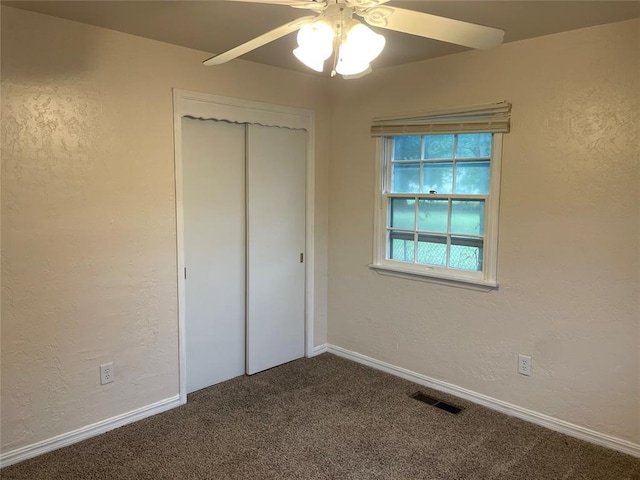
568, 264
88, 237
88, 215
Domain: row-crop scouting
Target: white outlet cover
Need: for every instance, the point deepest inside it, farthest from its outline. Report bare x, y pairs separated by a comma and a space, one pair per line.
106, 373
524, 365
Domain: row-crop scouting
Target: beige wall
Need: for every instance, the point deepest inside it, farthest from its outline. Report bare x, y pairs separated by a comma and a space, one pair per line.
88, 237
568, 264
88, 214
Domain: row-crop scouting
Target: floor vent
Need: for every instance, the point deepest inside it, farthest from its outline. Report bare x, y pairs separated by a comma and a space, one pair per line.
435, 402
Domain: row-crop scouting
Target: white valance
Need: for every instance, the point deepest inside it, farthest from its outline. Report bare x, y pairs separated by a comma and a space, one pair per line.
493, 118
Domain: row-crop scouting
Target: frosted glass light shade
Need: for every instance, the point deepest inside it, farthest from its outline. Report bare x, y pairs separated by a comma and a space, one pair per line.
310, 58
348, 63
359, 48
315, 44
318, 35
364, 42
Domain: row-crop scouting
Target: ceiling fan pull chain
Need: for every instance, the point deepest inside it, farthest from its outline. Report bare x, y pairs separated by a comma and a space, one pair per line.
337, 40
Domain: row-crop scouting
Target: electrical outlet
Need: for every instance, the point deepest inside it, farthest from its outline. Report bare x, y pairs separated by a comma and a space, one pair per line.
524, 365
106, 373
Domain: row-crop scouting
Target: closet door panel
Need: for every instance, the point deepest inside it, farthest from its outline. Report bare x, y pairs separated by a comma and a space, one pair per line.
214, 243
276, 159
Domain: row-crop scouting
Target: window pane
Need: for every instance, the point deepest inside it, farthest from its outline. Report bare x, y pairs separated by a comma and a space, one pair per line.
437, 177
438, 146
466, 253
403, 213
406, 178
432, 250
406, 147
432, 215
472, 177
474, 145
467, 216
401, 246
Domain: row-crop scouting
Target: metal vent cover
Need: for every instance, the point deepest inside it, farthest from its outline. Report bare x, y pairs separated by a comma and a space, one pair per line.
435, 402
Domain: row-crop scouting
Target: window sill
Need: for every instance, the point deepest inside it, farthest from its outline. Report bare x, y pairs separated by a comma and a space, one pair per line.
432, 277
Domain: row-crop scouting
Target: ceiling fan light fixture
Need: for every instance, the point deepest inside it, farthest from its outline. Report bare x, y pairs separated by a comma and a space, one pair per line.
332, 29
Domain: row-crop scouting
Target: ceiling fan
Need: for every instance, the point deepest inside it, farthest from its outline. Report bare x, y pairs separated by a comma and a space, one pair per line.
334, 30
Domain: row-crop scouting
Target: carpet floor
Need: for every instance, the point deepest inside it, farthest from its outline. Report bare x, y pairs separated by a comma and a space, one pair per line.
327, 418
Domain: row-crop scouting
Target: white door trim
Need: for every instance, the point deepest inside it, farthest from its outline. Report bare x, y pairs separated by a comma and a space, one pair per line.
203, 105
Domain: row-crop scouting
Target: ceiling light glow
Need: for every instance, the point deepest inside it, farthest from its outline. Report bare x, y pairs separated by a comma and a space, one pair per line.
315, 44
358, 47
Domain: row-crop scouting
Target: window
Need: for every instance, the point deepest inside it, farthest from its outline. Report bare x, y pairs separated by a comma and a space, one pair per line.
437, 214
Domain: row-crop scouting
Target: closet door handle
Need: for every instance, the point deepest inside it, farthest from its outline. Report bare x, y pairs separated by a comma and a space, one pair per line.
302, 258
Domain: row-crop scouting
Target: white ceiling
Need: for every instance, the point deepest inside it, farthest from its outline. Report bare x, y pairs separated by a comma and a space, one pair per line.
218, 25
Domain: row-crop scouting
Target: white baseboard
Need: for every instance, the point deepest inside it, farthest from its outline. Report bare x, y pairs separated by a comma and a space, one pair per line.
552, 423
75, 436
318, 349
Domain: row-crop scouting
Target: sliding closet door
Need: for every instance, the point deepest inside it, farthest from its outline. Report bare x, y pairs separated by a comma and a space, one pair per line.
214, 244
276, 160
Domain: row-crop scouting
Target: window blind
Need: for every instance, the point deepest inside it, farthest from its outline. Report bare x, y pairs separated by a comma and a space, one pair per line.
493, 118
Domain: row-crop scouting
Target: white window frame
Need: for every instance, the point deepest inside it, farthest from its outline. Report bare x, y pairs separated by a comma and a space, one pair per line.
488, 277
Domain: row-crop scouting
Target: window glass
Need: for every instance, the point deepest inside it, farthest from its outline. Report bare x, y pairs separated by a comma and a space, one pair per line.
433, 215
467, 216
432, 250
406, 147
406, 178
403, 213
401, 248
474, 145
437, 177
465, 254
472, 177
438, 146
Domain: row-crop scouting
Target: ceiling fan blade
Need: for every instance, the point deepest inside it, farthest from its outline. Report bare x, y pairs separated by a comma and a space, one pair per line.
263, 39
363, 4
433, 26
310, 4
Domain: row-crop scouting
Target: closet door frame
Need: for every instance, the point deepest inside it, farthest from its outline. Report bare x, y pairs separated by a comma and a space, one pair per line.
206, 106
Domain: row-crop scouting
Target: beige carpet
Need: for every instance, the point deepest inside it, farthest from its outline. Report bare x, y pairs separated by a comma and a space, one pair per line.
327, 418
